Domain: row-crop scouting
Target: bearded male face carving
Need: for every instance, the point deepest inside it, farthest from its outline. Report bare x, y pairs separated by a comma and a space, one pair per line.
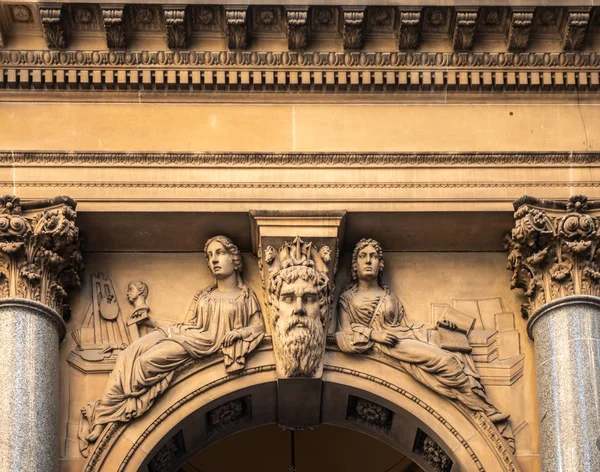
299, 296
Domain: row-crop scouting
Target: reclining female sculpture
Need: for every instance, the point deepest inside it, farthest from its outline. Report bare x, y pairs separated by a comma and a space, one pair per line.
226, 315
372, 318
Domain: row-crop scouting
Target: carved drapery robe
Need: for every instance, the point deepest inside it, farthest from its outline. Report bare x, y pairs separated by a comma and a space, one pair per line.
452, 375
146, 368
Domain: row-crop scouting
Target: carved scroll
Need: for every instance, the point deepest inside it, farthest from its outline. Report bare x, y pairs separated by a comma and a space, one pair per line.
410, 30
353, 29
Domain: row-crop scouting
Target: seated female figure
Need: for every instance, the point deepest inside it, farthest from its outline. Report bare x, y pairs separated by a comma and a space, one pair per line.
371, 318
225, 316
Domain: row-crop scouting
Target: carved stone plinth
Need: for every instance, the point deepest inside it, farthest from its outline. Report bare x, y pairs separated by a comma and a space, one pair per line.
39, 261
554, 255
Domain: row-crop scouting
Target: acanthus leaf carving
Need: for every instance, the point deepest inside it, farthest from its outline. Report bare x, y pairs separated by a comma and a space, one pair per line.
465, 25
237, 29
574, 30
410, 30
297, 29
519, 31
54, 26
40, 255
553, 250
353, 32
117, 36
178, 27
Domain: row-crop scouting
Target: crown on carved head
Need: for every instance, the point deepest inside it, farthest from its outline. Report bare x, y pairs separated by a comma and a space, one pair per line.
297, 253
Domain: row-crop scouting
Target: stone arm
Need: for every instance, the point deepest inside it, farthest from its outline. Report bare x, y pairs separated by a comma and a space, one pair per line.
255, 326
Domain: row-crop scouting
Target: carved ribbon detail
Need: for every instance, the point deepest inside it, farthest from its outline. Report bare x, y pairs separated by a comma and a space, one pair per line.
553, 250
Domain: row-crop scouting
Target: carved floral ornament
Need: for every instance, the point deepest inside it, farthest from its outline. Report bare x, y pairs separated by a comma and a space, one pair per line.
553, 250
39, 251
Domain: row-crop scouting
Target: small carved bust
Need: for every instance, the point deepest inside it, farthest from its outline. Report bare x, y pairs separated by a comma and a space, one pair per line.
137, 293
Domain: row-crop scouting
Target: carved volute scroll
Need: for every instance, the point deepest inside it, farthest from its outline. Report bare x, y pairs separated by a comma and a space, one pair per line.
237, 28
39, 250
297, 28
178, 26
54, 26
299, 299
115, 25
553, 249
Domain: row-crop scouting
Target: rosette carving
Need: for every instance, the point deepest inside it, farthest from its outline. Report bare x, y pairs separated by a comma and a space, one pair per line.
39, 250
553, 249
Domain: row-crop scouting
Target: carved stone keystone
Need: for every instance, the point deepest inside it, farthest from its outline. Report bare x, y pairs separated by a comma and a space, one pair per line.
519, 30
465, 25
39, 261
54, 26
117, 34
410, 30
574, 30
297, 273
353, 28
297, 28
178, 26
554, 255
237, 27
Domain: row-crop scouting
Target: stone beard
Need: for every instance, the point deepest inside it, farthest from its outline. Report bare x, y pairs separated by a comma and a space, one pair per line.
300, 307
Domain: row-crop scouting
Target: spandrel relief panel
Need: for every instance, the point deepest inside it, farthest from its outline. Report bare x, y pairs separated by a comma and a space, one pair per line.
457, 307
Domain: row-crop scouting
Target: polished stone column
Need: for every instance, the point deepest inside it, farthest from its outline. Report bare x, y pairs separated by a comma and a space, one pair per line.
39, 261
554, 252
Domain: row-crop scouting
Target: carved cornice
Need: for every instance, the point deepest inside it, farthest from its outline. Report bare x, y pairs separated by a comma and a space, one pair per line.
554, 249
351, 25
39, 250
70, 158
97, 71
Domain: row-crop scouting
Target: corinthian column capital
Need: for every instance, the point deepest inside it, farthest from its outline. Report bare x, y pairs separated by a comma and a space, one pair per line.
553, 249
39, 250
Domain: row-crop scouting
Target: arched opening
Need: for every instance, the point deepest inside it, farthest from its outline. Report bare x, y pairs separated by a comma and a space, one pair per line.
327, 448
362, 394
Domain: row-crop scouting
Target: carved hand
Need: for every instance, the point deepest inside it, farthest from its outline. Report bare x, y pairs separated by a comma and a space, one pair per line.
231, 337
388, 339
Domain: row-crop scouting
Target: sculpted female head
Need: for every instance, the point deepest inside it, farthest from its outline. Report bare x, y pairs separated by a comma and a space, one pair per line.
367, 260
222, 256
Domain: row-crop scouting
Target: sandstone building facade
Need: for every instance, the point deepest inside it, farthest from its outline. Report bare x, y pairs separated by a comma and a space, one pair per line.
275, 236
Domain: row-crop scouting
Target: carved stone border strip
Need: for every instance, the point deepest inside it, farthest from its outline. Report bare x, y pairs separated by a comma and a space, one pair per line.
208, 159
302, 185
300, 60
101, 79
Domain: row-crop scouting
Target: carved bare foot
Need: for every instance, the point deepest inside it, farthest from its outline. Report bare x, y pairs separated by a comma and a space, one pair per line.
95, 433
